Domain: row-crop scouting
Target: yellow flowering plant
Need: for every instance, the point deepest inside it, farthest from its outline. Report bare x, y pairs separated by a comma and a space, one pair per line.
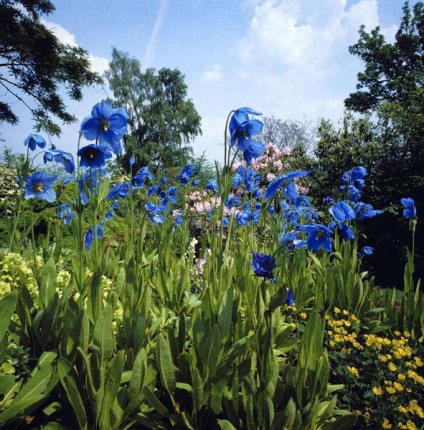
383, 373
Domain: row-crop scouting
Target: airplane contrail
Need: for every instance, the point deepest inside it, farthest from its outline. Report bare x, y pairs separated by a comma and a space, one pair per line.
148, 56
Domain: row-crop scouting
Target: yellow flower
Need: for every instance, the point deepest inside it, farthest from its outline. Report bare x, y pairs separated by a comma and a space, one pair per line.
386, 424
397, 333
398, 386
353, 317
401, 377
353, 370
337, 310
347, 323
377, 391
418, 362
303, 315
345, 312
390, 390
410, 425
392, 367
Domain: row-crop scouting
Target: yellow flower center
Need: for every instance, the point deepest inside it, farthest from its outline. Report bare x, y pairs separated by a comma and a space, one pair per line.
104, 125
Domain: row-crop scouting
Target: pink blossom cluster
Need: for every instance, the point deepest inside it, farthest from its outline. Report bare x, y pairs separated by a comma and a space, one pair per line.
272, 163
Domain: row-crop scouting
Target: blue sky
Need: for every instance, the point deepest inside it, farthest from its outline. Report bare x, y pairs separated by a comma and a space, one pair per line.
286, 58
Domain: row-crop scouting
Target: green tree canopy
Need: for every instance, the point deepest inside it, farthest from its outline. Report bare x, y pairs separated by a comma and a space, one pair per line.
163, 120
387, 138
35, 66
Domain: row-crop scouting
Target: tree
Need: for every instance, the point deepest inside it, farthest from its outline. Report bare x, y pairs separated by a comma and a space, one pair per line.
34, 66
386, 138
288, 133
392, 88
162, 120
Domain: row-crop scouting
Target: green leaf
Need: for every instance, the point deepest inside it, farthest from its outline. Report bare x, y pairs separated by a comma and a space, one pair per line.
113, 380
68, 379
33, 392
7, 382
154, 401
344, 422
7, 307
48, 282
225, 425
225, 313
103, 336
165, 364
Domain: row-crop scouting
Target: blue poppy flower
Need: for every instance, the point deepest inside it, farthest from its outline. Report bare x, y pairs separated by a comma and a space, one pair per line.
139, 179
263, 265
154, 213
410, 210
94, 156
154, 189
212, 185
107, 125
365, 210
290, 297
39, 185
346, 233
62, 157
318, 236
195, 182
342, 212
34, 140
64, 211
232, 201
283, 180
121, 190
89, 236
366, 250
186, 173
242, 129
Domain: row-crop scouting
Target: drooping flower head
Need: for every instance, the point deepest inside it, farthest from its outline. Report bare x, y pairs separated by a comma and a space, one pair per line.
366, 250
107, 125
34, 140
342, 212
121, 189
64, 211
94, 156
89, 235
39, 184
284, 181
141, 176
186, 173
242, 129
410, 210
290, 297
62, 157
263, 265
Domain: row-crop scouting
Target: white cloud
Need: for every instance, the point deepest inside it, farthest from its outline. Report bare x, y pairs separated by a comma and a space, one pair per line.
61, 33
214, 74
295, 53
98, 64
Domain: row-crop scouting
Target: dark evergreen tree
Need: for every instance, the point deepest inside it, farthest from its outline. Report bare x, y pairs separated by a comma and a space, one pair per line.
35, 65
